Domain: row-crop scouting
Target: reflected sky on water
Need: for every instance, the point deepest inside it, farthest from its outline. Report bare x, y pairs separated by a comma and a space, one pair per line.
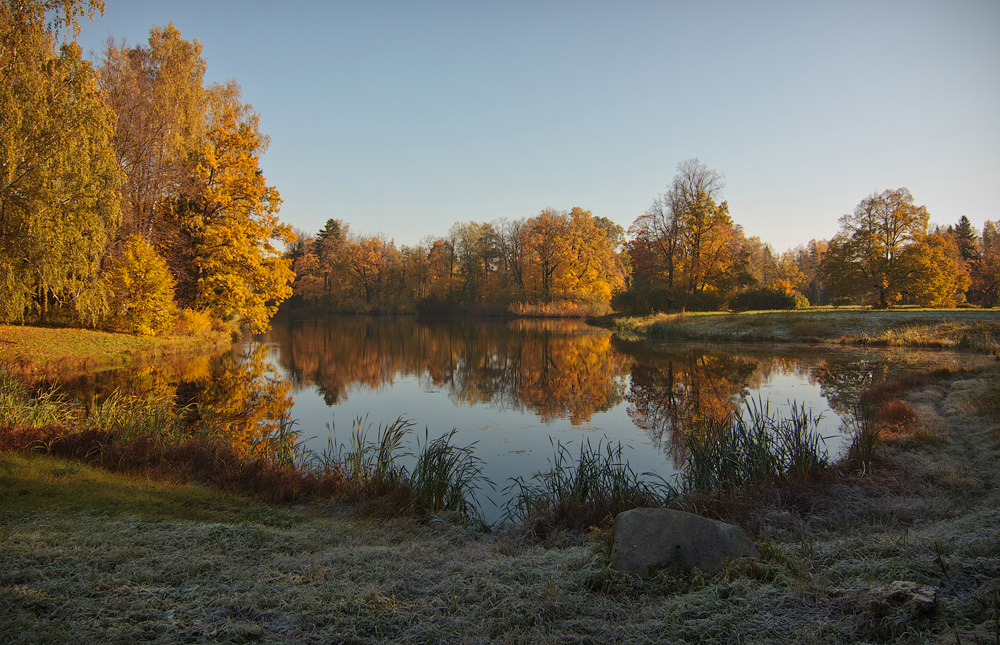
511, 386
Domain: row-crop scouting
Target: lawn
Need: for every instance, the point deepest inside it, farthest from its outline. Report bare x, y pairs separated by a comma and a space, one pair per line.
61, 352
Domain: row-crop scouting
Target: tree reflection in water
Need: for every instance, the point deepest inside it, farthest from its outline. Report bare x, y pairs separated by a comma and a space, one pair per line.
554, 368
565, 375
239, 395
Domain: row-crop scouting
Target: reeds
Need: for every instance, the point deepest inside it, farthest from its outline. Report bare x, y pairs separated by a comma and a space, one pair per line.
752, 447
19, 406
131, 417
865, 432
582, 492
447, 477
374, 465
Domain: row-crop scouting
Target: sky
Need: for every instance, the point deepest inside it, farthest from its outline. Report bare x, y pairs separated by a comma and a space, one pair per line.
403, 118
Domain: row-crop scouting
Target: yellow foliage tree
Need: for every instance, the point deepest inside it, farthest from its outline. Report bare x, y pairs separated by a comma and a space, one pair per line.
59, 200
141, 290
233, 222
932, 272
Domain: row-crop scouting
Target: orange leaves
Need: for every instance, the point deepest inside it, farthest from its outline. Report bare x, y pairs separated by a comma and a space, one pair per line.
235, 221
569, 256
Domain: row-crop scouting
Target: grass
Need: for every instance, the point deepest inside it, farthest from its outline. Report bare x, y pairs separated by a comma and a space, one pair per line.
753, 447
575, 494
963, 329
44, 484
87, 554
90, 556
150, 437
42, 352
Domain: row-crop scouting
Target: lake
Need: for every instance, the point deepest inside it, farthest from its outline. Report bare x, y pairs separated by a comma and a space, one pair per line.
511, 387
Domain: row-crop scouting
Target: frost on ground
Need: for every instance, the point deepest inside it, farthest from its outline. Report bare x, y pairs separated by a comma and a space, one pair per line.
909, 552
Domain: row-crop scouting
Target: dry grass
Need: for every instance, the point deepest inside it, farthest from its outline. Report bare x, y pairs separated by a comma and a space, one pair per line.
92, 556
969, 330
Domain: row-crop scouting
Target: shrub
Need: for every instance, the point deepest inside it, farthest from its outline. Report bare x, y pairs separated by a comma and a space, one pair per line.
763, 300
141, 290
643, 301
192, 322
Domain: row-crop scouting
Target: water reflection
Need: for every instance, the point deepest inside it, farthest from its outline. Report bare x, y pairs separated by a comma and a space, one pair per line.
509, 386
555, 369
238, 395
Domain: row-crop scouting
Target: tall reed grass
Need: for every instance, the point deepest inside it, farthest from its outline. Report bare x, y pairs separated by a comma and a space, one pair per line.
576, 493
447, 477
753, 446
18, 405
865, 432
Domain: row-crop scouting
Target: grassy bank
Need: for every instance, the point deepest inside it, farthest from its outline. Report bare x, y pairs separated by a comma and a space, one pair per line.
62, 352
966, 329
87, 555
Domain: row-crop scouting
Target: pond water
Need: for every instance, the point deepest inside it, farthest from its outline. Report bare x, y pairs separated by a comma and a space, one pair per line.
510, 387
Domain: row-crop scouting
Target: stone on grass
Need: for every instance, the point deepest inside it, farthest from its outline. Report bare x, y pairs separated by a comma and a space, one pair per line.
921, 599
648, 540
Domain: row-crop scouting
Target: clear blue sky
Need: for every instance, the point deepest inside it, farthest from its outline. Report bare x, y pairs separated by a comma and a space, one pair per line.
405, 117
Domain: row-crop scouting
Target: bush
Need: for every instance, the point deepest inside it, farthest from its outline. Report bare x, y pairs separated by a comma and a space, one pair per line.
141, 290
763, 300
191, 322
644, 301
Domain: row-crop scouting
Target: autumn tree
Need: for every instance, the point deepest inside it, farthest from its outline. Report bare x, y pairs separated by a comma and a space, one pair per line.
543, 238
157, 93
685, 251
932, 273
863, 259
141, 290
330, 244
231, 223
594, 270
985, 283
476, 256
807, 260
510, 249
58, 181
308, 284
370, 262
441, 270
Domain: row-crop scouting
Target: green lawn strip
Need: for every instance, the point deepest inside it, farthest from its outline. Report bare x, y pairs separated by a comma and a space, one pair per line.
62, 351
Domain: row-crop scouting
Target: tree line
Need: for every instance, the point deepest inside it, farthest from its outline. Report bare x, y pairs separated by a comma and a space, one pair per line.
131, 198
556, 258
131, 195
684, 253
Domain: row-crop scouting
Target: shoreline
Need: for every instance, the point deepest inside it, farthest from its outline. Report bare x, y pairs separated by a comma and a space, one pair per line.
957, 329
61, 353
94, 555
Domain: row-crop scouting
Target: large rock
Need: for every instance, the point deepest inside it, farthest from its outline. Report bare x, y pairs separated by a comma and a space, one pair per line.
650, 539
921, 599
